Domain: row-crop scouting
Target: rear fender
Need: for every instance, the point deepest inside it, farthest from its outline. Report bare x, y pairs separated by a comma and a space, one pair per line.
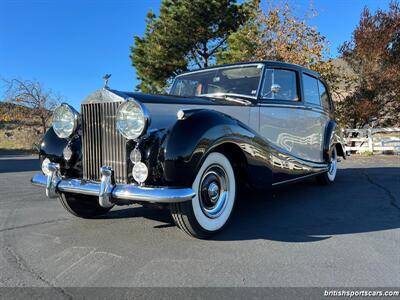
333, 137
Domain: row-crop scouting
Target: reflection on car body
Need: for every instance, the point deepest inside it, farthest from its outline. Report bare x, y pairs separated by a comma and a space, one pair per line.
257, 124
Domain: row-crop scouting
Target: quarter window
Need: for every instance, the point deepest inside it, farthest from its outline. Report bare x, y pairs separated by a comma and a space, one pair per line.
324, 96
311, 93
280, 85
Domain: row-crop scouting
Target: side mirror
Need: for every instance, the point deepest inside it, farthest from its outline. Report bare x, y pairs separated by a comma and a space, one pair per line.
275, 88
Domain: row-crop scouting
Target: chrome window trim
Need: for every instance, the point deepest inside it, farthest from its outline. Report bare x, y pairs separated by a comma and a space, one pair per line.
219, 68
284, 105
299, 83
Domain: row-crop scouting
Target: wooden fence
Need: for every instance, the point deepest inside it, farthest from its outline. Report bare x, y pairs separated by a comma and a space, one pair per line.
383, 140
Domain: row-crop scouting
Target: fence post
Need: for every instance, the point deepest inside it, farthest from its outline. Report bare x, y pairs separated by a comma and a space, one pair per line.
370, 141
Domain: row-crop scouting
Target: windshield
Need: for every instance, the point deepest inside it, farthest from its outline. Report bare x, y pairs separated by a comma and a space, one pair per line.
241, 81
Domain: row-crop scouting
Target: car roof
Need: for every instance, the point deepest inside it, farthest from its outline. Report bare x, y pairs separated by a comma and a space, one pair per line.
266, 62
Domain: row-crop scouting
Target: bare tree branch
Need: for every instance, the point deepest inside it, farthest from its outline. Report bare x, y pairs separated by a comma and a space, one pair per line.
30, 93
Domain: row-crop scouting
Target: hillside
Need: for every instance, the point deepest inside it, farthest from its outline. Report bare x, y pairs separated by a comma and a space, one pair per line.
19, 129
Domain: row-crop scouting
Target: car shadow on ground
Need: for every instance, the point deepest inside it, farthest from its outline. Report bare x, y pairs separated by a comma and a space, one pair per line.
19, 165
361, 200
159, 215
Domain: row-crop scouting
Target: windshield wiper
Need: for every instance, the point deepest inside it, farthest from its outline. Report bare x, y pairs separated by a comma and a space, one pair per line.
230, 97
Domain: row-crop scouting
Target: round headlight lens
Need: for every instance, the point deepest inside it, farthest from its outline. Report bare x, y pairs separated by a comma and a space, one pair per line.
131, 120
64, 121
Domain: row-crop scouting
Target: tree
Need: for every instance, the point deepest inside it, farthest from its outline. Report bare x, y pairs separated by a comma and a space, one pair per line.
371, 53
394, 47
32, 94
187, 34
275, 33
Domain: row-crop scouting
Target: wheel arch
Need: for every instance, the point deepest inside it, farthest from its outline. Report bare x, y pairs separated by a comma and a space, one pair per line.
236, 157
201, 132
333, 137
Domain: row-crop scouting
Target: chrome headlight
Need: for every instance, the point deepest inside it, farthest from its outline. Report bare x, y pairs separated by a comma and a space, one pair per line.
65, 120
132, 119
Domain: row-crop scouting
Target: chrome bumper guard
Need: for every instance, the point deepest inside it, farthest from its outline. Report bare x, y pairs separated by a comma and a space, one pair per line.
108, 192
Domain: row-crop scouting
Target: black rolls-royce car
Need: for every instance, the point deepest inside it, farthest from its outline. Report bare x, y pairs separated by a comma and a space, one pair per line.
257, 124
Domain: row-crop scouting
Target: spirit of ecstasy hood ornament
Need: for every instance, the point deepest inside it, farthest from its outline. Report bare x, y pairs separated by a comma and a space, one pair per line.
106, 78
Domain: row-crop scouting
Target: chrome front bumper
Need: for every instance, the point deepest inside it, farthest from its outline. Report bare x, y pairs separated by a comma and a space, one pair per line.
108, 193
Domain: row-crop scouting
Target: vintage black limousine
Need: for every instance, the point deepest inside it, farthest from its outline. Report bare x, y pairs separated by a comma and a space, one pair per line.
257, 124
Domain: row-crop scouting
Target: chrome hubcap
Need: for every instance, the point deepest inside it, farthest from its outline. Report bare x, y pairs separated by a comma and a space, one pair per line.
213, 191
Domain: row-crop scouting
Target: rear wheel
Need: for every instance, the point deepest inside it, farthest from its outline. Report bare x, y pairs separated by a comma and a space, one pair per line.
329, 176
211, 207
82, 206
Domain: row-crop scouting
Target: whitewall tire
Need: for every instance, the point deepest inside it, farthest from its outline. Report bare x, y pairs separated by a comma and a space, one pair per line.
329, 176
215, 194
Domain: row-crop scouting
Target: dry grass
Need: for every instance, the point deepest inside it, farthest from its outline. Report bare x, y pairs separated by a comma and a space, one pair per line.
19, 137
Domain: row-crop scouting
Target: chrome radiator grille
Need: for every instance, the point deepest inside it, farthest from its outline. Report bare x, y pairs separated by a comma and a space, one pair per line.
101, 142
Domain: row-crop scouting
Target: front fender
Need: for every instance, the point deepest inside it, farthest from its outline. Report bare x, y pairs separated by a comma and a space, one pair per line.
52, 147
199, 133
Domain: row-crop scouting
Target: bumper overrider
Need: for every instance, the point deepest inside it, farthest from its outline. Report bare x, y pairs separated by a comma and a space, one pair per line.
109, 193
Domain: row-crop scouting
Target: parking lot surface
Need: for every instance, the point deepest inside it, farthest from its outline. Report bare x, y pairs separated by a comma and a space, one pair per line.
346, 234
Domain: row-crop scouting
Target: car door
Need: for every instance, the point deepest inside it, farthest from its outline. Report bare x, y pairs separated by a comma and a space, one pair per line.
318, 106
283, 119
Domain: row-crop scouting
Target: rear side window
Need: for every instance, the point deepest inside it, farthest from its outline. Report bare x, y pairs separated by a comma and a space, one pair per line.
280, 85
324, 96
311, 92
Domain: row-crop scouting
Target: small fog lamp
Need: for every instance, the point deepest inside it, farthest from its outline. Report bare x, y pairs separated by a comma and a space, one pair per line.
45, 167
140, 172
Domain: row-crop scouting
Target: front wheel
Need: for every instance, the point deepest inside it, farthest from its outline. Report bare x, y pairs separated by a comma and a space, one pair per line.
329, 176
82, 206
211, 207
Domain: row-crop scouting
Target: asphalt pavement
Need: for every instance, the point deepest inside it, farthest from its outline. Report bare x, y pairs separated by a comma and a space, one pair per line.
346, 234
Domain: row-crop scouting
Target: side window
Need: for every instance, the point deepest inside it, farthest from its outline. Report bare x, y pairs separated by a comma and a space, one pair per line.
324, 96
280, 85
311, 93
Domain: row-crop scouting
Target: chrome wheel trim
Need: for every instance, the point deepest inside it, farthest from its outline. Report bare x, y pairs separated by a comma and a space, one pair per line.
332, 166
219, 219
213, 193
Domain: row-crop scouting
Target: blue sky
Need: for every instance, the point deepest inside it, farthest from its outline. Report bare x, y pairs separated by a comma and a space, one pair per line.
68, 45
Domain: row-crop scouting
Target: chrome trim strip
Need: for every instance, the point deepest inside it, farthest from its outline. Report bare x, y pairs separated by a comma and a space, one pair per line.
300, 178
120, 191
263, 104
298, 106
